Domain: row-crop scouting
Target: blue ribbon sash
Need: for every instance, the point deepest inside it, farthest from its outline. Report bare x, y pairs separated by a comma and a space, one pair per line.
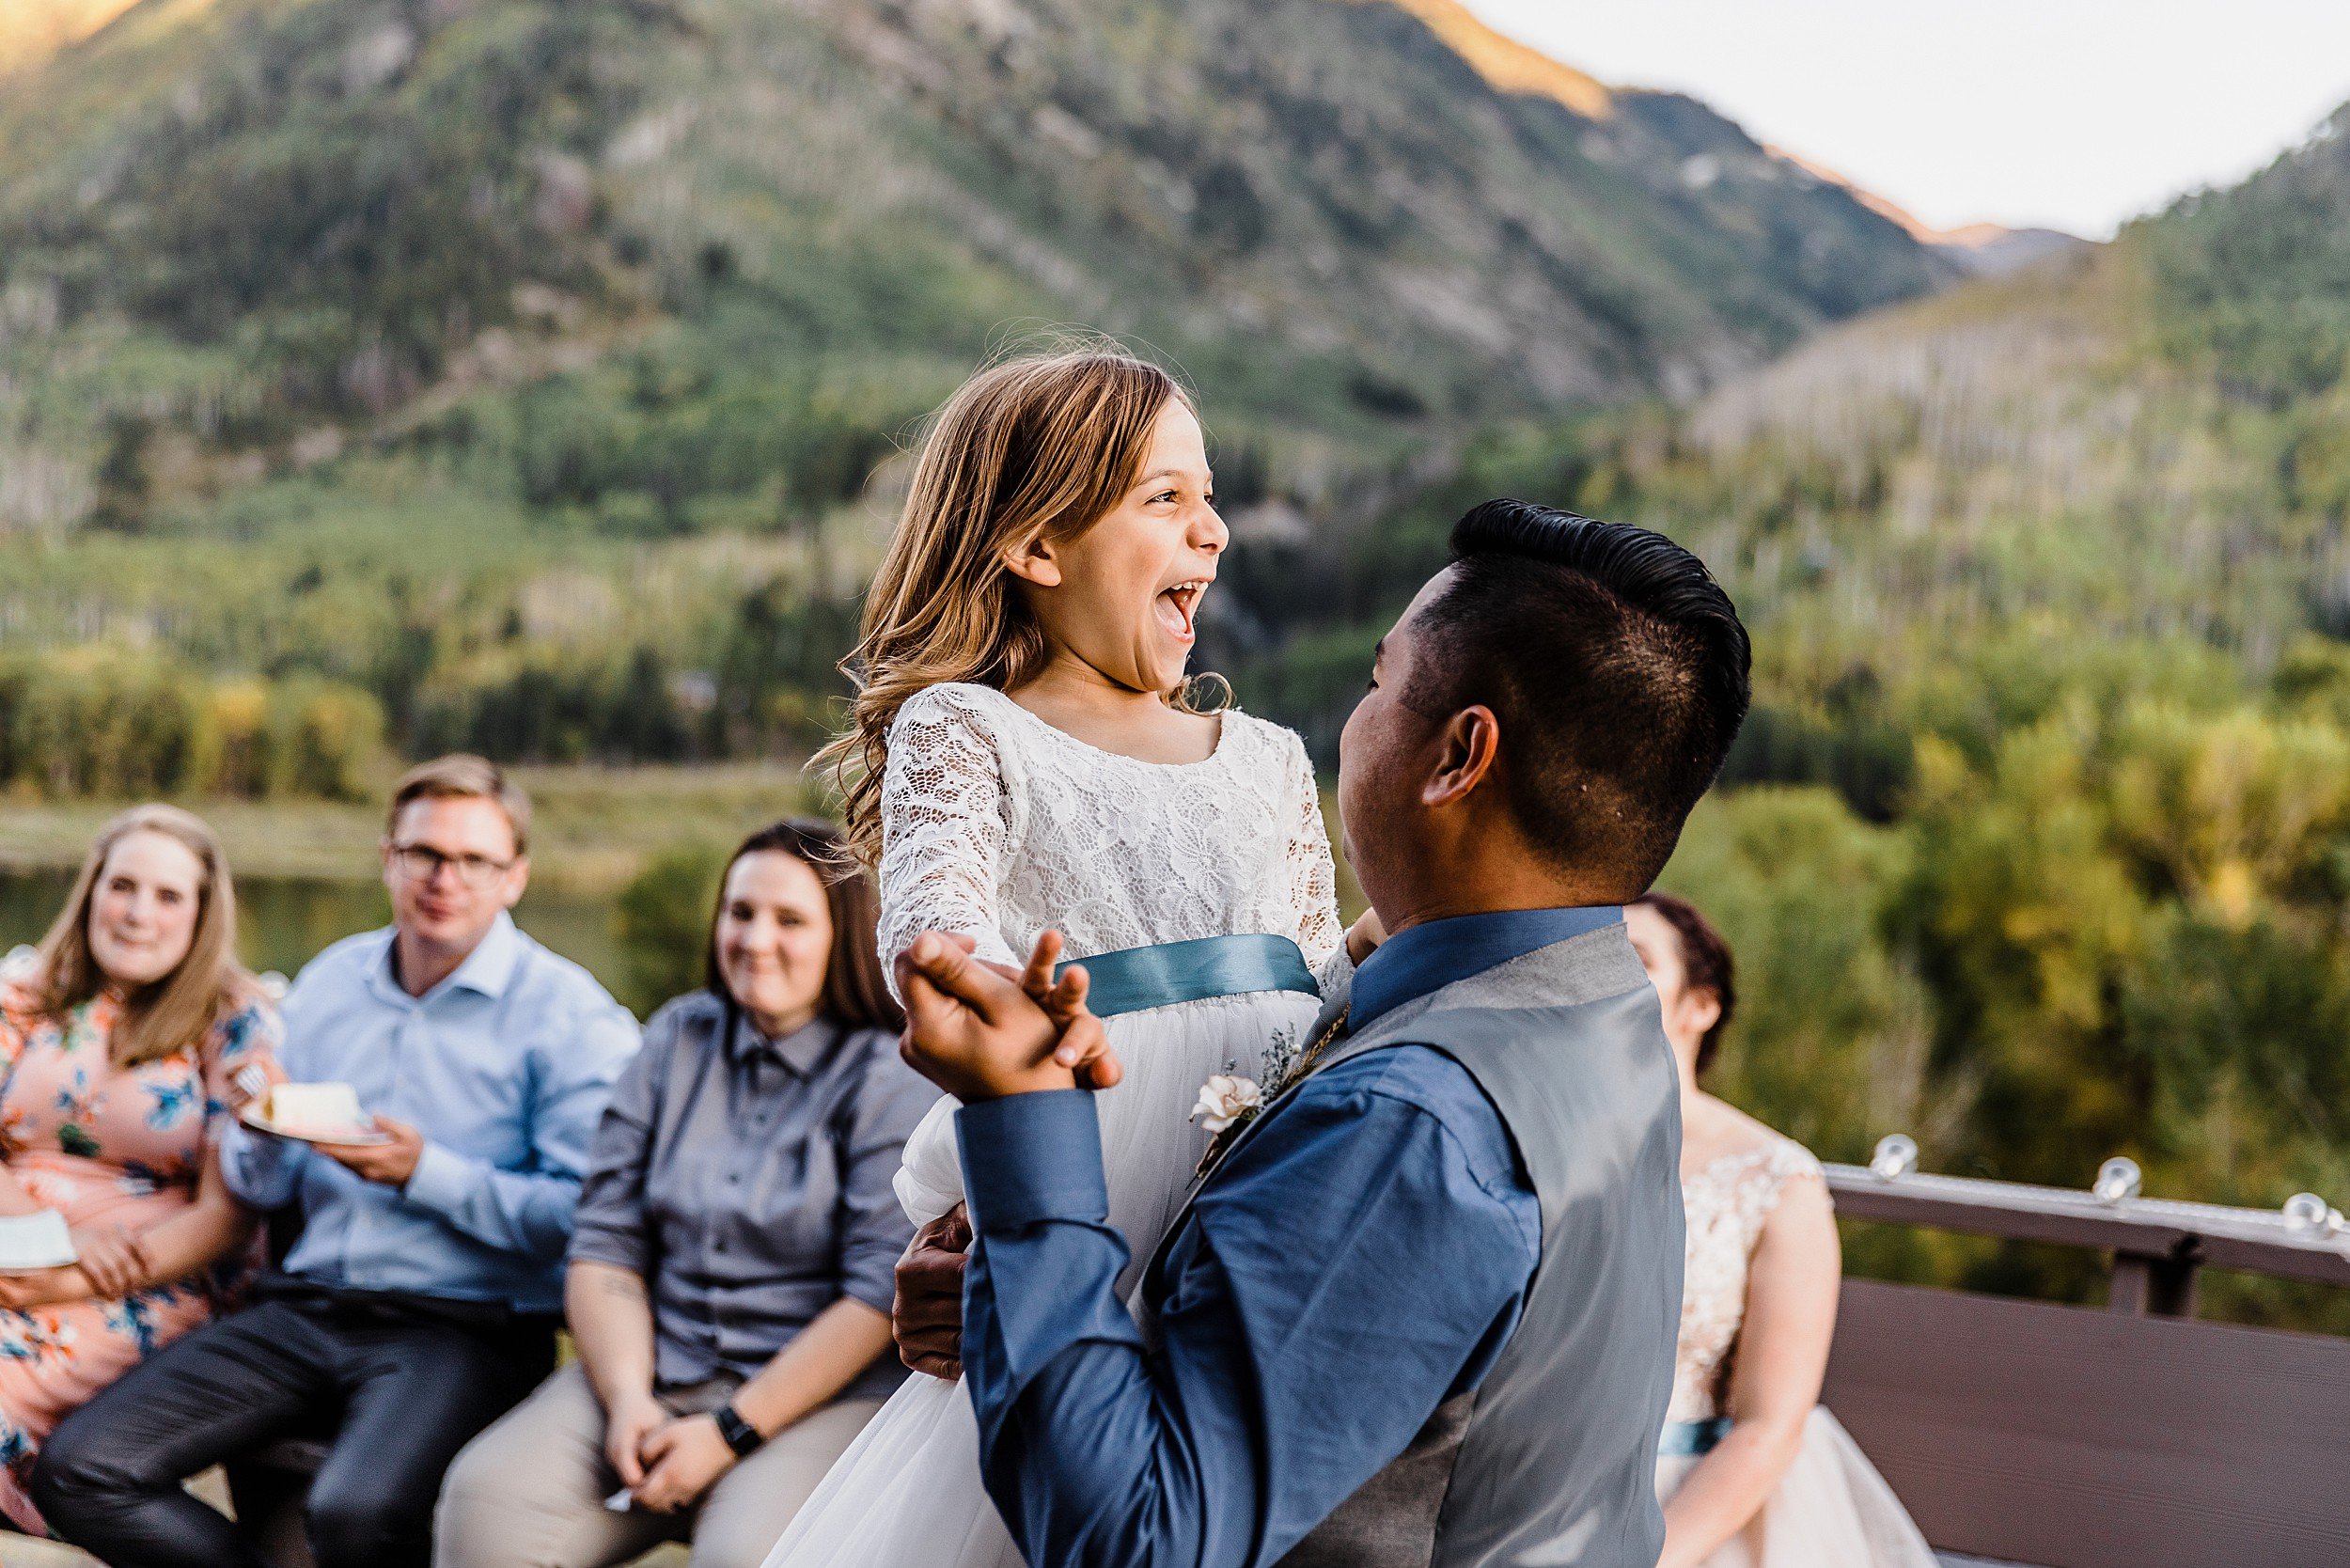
1686, 1439
1134, 978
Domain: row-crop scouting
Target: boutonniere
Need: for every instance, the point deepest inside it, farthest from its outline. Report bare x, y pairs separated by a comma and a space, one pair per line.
1228, 1102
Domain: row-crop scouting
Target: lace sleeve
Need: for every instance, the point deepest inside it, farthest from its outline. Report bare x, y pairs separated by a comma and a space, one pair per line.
1782, 1162
1313, 877
945, 819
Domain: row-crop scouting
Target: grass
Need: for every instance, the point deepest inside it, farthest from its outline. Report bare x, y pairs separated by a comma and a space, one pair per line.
594, 826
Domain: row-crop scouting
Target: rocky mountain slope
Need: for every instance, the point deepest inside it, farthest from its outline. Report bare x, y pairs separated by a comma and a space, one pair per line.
231, 229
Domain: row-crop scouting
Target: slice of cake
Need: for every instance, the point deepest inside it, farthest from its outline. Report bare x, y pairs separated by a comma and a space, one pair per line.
313, 1110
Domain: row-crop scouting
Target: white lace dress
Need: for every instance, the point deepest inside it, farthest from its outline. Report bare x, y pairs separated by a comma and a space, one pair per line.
997, 825
1831, 1509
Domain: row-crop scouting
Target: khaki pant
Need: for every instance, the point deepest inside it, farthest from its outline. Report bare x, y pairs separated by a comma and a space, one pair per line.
528, 1493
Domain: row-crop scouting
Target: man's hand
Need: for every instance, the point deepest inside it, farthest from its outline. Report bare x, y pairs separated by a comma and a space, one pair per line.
630, 1421
687, 1457
926, 1315
391, 1162
980, 1036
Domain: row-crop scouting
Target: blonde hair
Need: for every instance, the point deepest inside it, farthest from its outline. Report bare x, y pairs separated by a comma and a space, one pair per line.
1040, 446
173, 1013
462, 776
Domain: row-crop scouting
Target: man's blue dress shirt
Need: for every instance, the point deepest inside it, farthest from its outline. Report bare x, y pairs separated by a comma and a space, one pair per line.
1359, 1259
505, 1067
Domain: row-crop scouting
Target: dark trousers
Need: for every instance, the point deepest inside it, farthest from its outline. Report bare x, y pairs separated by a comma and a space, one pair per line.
399, 1389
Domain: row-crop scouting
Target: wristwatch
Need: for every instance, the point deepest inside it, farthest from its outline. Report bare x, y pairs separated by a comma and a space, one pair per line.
739, 1434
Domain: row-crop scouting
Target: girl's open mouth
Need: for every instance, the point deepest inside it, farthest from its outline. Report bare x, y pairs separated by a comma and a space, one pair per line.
1178, 605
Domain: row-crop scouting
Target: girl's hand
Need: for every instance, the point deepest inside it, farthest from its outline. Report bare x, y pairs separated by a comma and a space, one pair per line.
1084, 1047
110, 1260
1364, 936
625, 1429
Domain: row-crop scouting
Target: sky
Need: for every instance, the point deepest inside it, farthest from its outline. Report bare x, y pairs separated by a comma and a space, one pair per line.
2075, 114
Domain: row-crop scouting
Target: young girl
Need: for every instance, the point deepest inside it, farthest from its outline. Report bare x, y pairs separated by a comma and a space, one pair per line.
1025, 755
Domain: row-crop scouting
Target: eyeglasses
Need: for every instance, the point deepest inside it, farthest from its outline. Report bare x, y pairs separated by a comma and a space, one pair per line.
422, 863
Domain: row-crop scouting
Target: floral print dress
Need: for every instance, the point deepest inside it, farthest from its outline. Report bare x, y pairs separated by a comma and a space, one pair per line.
105, 1146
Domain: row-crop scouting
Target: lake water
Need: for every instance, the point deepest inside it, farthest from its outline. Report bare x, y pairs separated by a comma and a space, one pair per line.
282, 922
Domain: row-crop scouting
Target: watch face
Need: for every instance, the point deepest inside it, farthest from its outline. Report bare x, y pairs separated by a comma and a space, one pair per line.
739, 1434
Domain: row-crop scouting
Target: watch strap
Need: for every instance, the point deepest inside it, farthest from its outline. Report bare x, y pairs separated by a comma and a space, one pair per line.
739, 1434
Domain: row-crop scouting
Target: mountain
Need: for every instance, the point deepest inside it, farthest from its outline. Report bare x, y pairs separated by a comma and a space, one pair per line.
2144, 437
1977, 249
226, 225
1993, 250
33, 31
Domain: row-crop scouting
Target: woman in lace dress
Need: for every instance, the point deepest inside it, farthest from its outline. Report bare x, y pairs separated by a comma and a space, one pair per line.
1753, 1471
1024, 755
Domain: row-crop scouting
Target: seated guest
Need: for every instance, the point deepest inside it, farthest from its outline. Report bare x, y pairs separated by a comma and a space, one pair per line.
126, 1042
419, 1302
1753, 1471
730, 1279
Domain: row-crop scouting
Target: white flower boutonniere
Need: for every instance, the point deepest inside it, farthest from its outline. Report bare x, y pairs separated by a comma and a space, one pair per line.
1226, 1100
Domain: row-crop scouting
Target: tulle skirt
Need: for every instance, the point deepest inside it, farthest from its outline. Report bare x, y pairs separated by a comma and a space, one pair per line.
1831, 1510
907, 1493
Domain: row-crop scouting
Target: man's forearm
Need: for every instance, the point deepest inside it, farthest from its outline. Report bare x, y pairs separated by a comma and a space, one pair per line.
529, 1213
1049, 1352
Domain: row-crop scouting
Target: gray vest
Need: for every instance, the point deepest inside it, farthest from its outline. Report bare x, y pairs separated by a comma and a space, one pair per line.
1553, 1460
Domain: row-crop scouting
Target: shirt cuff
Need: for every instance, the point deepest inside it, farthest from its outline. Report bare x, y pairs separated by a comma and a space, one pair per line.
1032, 1158
442, 1181
596, 1244
879, 1291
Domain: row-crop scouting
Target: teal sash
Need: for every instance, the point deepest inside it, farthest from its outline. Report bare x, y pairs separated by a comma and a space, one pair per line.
1134, 978
1685, 1439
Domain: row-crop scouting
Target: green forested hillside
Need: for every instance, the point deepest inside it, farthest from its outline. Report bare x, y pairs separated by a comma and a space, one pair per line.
2040, 842
528, 375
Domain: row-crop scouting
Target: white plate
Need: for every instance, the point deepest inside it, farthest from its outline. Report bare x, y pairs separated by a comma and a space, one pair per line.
33, 1243
358, 1139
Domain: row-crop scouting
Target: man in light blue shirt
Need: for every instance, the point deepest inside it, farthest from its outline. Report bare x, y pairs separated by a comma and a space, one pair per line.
419, 1301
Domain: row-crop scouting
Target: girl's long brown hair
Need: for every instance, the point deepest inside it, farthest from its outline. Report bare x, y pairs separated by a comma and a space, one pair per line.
173, 1013
854, 993
1037, 447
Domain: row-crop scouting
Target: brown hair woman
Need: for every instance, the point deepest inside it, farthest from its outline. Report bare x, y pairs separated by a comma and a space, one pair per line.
731, 1277
125, 1038
1753, 1471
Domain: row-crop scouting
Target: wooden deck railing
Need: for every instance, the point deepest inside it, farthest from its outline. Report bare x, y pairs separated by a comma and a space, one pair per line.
2157, 1245
2132, 1438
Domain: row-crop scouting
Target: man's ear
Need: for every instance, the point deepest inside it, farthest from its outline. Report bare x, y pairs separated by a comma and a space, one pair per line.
1466, 757
1034, 561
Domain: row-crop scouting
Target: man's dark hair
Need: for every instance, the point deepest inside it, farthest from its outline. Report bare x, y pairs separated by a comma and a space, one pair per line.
1615, 663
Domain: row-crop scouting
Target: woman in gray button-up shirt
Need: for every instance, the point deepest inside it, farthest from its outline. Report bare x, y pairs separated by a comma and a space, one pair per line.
731, 1275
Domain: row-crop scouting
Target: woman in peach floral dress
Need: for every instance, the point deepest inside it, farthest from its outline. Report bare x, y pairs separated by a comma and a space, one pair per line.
124, 1040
